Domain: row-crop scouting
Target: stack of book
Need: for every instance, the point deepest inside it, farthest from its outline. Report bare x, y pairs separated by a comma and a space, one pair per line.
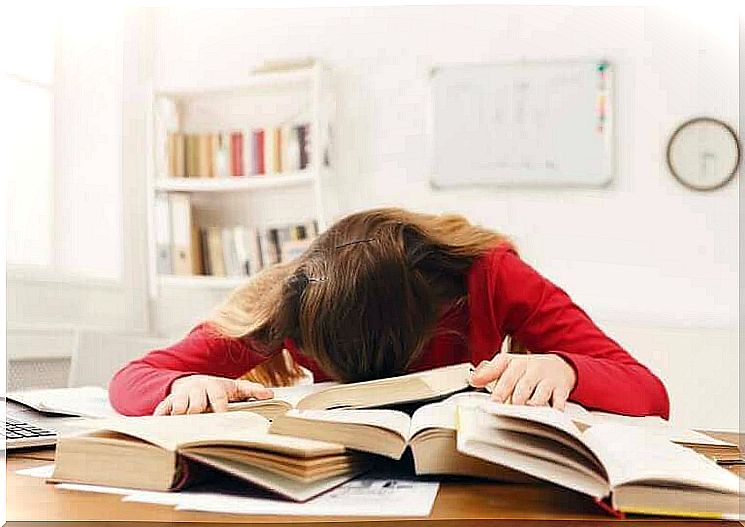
184, 248
256, 152
309, 439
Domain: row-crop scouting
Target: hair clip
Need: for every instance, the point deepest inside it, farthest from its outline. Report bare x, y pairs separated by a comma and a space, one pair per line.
354, 242
317, 279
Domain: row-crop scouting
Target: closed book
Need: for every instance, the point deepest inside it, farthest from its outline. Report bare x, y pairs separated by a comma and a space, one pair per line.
204, 244
269, 151
196, 251
204, 157
181, 234
248, 152
236, 154
230, 257
171, 154
311, 229
241, 251
223, 160
290, 149
214, 241
303, 145
277, 151
179, 157
214, 154
253, 248
162, 235
258, 152
269, 246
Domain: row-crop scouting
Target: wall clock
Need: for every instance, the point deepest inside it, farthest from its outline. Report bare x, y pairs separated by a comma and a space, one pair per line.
703, 153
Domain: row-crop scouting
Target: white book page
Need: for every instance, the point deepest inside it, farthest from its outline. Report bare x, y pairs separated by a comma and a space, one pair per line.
632, 454
538, 414
294, 394
654, 424
397, 422
442, 414
169, 431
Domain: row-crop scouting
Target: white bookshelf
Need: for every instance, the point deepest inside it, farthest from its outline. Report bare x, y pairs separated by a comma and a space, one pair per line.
259, 101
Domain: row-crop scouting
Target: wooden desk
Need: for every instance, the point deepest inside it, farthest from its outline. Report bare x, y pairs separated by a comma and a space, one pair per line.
466, 504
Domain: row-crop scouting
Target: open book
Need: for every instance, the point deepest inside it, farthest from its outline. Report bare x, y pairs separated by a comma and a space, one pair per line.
155, 453
85, 401
422, 386
634, 470
429, 433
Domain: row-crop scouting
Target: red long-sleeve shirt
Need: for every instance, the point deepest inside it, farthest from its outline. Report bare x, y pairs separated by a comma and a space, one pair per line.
505, 297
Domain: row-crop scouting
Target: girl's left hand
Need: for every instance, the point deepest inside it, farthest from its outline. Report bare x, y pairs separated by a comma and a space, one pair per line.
535, 380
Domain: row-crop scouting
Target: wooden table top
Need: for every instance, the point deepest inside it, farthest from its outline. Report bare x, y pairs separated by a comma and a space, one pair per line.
459, 503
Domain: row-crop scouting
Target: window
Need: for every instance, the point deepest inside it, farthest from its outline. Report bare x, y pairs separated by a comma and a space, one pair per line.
28, 87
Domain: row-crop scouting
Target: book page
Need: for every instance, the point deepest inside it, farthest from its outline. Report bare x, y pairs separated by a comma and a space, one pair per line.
632, 454
395, 421
653, 424
291, 395
169, 431
442, 414
540, 414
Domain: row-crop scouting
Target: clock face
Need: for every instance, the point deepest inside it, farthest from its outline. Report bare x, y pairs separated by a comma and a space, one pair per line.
703, 154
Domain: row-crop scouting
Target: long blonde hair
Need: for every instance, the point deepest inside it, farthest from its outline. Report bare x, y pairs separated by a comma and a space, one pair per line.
363, 299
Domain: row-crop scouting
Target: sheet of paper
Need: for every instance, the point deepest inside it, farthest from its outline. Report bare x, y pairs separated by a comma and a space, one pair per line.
86, 401
95, 488
360, 497
44, 471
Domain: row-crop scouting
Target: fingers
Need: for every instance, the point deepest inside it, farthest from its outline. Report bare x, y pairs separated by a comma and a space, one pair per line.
164, 407
524, 388
179, 403
507, 381
197, 400
560, 397
489, 371
248, 389
541, 394
218, 398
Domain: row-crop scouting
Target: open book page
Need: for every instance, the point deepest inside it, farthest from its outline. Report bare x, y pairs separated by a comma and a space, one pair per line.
474, 440
632, 454
291, 395
655, 425
447, 379
539, 414
442, 414
169, 431
397, 422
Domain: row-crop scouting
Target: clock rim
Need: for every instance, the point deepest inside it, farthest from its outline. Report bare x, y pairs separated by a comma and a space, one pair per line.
729, 176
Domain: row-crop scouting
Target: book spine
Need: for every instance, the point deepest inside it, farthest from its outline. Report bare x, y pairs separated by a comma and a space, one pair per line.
181, 236
204, 166
171, 154
163, 235
269, 151
236, 145
217, 264
277, 150
180, 155
241, 251
303, 146
204, 243
248, 152
259, 152
214, 154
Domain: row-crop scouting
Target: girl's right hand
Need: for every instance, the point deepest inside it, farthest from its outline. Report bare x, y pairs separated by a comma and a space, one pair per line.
195, 394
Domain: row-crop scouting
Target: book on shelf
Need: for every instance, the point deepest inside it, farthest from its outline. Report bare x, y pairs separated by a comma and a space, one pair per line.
258, 151
621, 466
170, 452
215, 251
161, 213
185, 245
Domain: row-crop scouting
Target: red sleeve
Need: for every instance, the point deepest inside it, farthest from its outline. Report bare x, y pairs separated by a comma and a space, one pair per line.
139, 386
541, 316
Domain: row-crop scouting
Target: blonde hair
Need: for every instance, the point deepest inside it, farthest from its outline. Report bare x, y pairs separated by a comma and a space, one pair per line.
364, 298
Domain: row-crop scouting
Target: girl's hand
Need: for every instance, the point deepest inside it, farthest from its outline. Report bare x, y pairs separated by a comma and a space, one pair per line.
195, 394
527, 379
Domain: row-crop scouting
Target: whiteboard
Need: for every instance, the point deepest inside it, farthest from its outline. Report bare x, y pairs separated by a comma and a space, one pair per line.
526, 123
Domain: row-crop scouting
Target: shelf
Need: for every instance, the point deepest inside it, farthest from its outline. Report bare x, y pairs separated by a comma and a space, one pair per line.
201, 282
231, 184
256, 82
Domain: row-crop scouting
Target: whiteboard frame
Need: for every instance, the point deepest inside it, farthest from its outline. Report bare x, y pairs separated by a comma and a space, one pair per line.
611, 157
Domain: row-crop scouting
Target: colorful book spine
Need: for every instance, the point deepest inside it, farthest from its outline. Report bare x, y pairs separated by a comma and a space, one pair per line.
277, 150
258, 152
269, 151
204, 155
236, 146
303, 145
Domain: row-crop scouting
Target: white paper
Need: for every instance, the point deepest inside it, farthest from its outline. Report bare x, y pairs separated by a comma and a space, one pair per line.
44, 471
86, 401
95, 488
360, 497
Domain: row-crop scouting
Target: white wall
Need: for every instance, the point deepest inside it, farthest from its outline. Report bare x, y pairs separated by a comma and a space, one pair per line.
645, 253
